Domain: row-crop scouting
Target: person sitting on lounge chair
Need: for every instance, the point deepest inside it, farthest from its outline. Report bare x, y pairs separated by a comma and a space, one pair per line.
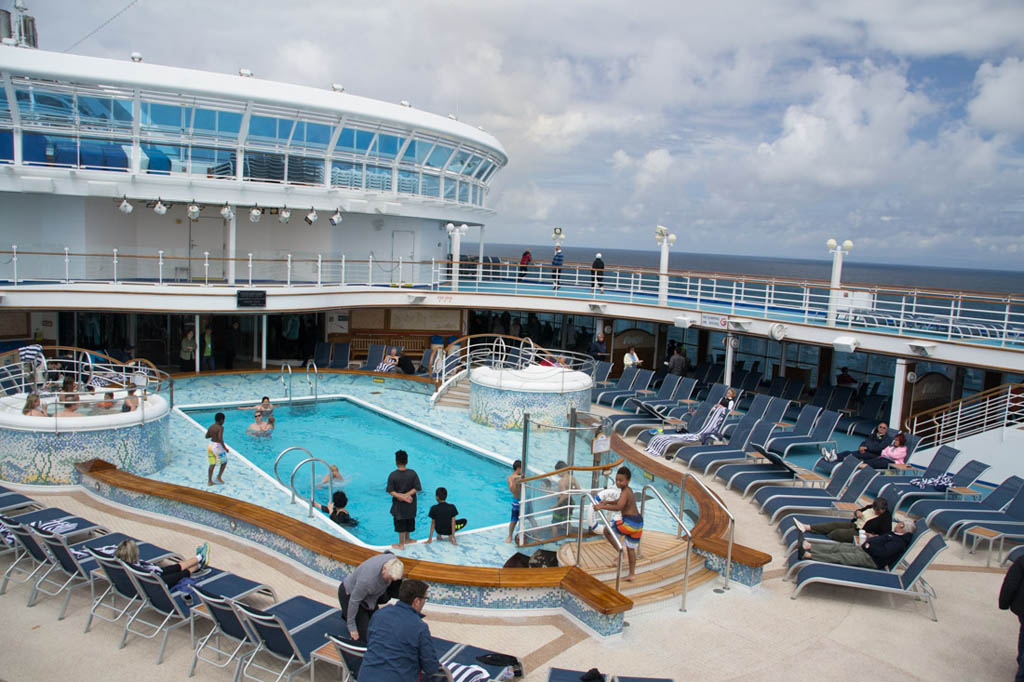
880, 551
709, 430
128, 552
874, 519
869, 448
896, 453
390, 361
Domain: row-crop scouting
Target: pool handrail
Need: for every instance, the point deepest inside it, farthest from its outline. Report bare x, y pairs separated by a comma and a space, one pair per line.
715, 499
314, 383
681, 529
287, 386
604, 519
312, 481
277, 461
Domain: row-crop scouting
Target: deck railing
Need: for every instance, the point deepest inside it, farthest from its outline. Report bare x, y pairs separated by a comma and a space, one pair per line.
1001, 407
991, 319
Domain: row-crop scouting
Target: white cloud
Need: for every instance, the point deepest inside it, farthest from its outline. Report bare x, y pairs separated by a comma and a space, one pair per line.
999, 105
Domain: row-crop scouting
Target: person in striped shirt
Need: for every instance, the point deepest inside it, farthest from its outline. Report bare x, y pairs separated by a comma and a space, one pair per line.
556, 266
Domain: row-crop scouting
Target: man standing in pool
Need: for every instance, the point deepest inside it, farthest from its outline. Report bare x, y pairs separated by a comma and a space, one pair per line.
216, 451
631, 526
403, 484
515, 486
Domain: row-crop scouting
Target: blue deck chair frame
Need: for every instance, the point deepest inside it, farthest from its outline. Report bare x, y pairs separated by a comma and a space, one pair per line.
340, 355
322, 354
994, 501
66, 574
288, 632
802, 427
665, 395
964, 478
374, 356
642, 382
27, 547
941, 461
820, 434
119, 585
350, 654
622, 387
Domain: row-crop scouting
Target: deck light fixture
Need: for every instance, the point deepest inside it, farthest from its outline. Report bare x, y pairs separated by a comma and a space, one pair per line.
193, 211
160, 208
557, 236
284, 215
245, 73
227, 213
336, 218
311, 216
405, 103
337, 87
125, 207
845, 344
255, 214
136, 57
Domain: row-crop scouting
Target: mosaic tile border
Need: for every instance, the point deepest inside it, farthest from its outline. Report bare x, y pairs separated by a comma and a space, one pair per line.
743, 574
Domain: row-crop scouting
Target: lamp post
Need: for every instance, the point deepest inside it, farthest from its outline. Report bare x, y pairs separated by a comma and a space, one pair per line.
665, 240
557, 236
456, 232
838, 251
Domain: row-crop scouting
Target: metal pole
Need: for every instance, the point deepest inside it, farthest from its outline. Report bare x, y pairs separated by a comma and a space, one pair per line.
67, 265
199, 340
115, 266
319, 270
522, 487
160, 266
14, 262
250, 271
263, 344
206, 268
289, 283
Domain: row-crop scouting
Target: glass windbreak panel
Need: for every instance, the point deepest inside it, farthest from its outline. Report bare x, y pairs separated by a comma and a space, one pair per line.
164, 117
103, 154
474, 195
417, 151
408, 182
105, 112
303, 170
45, 107
344, 174
490, 172
6, 146
378, 177
484, 167
270, 129
49, 150
430, 186
308, 134
449, 188
5, 108
439, 156
215, 123
263, 166
386, 146
214, 163
163, 159
471, 166
458, 162
464, 192
352, 140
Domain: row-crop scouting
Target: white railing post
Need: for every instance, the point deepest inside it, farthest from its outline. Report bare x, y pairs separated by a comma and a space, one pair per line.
319, 269
115, 266
369, 271
250, 271
399, 271
206, 268
160, 267
67, 265
14, 262
342, 268
434, 279
288, 275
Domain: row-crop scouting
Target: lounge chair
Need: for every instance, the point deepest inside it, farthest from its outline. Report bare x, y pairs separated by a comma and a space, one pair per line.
743, 476
51, 518
781, 503
942, 459
602, 368
789, 533
678, 420
340, 355
120, 587
621, 387
802, 428
641, 383
664, 396
908, 582
953, 522
867, 414
644, 417
793, 390
750, 383
462, 656
964, 478
11, 502
756, 409
289, 632
322, 354
777, 386
821, 434
30, 555
1014, 554
66, 574
374, 356
703, 457
994, 501
840, 398
350, 656
226, 624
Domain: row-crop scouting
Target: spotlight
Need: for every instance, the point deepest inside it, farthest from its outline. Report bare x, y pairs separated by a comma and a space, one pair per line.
160, 208
136, 57
125, 207
336, 218
405, 103
311, 216
337, 87
245, 73
193, 211
227, 213
284, 215
255, 214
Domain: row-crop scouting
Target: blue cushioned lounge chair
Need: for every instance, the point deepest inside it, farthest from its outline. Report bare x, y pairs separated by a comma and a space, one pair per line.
340, 355
621, 387
821, 434
289, 632
779, 500
994, 501
641, 383
120, 587
941, 461
964, 478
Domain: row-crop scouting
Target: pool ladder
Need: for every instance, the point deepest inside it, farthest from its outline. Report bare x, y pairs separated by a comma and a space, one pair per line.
311, 460
287, 384
314, 381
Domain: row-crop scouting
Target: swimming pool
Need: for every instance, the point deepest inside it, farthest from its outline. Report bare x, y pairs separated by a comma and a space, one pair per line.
362, 443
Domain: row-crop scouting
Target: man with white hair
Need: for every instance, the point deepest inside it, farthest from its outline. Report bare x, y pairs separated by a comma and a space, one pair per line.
597, 270
366, 588
878, 551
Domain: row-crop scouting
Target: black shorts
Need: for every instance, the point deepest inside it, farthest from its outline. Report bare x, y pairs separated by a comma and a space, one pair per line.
405, 525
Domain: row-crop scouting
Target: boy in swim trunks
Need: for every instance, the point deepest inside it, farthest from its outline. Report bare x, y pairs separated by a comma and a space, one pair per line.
515, 486
631, 526
216, 451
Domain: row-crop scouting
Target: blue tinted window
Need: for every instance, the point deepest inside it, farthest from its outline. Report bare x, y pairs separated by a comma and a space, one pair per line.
484, 167
386, 146
344, 174
305, 171
363, 140
103, 154
6, 145
449, 188
439, 156
417, 151
431, 186
458, 162
408, 182
378, 177
213, 162
270, 128
474, 163
464, 192
40, 105
216, 123
263, 166
311, 135
353, 140
475, 195
104, 111
165, 117
490, 172
163, 159
49, 150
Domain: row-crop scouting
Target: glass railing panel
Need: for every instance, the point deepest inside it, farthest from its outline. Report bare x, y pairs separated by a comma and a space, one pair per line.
164, 118
6, 146
408, 182
345, 174
218, 124
43, 106
263, 166
430, 186
212, 162
269, 129
303, 170
464, 192
450, 188
439, 156
378, 178
163, 159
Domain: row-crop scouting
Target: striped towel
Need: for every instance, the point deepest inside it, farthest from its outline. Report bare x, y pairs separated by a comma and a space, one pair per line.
32, 353
468, 673
98, 382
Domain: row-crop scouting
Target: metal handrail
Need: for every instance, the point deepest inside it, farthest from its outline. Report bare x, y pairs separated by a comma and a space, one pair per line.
312, 480
604, 519
681, 528
281, 454
314, 383
996, 408
721, 505
288, 386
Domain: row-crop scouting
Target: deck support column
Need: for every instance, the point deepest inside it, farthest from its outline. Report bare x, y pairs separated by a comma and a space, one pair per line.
480, 260
231, 241
199, 340
899, 383
730, 341
263, 343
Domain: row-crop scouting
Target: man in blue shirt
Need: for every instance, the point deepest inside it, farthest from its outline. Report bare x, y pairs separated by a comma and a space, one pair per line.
398, 644
556, 265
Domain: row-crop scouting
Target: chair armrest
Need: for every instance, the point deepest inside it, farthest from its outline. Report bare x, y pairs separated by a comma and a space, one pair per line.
846, 506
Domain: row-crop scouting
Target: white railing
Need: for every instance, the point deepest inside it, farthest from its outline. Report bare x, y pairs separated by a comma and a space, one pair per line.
1001, 407
990, 319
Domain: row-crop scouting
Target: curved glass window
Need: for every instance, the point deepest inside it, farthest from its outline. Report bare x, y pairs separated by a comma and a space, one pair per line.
164, 117
270, 129
449, 188
45, 107
164, 159
214, 123
263, 166
308, 134
104, 112
472, 165
458, 162
213, 163
386, 146
464, 192
305, 171
439, 156
352, 140
484, 167
378, 177
417, 151
344, 174
408, 182
430, 186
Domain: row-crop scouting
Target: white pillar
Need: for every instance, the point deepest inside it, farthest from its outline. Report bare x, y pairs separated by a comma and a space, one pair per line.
663, 279
199, 347
899, 382
838, 251
729, 352
480, 259
263, 344
782, 358
232, 225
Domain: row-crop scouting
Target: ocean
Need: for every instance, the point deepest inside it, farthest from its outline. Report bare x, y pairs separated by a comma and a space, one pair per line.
956, 279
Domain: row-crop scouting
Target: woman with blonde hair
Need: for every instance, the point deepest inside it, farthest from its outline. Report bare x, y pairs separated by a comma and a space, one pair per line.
33, 408
128, 552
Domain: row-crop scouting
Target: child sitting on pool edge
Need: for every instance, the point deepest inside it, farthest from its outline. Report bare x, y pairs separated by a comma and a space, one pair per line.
442, 518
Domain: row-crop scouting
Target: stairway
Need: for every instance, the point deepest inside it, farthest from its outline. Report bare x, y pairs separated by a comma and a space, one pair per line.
660, 568
456, 396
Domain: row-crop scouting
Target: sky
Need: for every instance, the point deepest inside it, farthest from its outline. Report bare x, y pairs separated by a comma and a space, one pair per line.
746, 127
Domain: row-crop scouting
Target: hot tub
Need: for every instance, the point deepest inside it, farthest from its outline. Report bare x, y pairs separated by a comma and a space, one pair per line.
500, 397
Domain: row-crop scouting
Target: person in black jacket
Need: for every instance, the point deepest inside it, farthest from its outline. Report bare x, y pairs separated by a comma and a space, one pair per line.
881, 551
871, 446
873, 519
597, 271
1011, 596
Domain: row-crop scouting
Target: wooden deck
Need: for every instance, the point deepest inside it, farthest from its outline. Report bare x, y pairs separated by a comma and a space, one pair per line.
598, 555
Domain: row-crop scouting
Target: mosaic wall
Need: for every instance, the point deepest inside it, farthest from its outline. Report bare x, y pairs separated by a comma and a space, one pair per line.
464, 596
741, 573
504, 409
49, 458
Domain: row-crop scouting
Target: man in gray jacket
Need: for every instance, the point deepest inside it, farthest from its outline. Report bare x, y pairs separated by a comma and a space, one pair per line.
365, 588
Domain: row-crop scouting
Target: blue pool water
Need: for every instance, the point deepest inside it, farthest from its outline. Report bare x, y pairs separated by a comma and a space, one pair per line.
362, 443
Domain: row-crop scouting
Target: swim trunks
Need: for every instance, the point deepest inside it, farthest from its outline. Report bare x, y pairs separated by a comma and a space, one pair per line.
515, 510
629, 529
215, 452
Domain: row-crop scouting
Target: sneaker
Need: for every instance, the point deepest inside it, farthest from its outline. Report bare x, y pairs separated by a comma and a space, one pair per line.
828, 455
204, 554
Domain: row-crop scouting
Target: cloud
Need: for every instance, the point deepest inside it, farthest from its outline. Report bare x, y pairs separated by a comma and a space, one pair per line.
999, 104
